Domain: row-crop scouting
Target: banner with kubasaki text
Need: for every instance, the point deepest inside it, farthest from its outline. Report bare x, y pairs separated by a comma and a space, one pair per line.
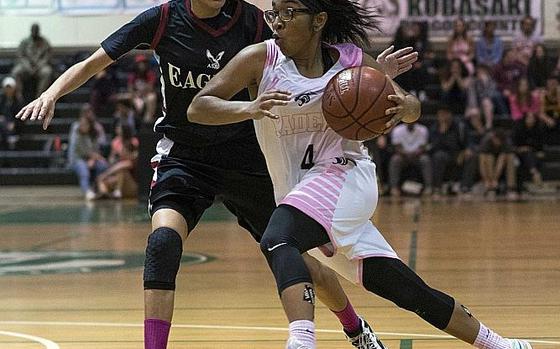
439, 15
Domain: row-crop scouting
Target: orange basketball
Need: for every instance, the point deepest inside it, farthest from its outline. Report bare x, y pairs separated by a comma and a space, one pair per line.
354, 103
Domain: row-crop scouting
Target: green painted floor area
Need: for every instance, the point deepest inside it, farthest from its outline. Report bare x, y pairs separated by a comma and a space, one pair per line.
406, 344
97, 212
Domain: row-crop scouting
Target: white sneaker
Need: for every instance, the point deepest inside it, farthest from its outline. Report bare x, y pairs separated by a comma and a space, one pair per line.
90, 195
293, 343
519, 344
366, 339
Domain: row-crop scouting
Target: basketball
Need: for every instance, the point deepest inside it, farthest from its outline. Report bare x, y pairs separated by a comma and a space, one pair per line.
355, 101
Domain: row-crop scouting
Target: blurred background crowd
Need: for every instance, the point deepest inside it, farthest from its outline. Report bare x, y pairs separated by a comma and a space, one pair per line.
490, 125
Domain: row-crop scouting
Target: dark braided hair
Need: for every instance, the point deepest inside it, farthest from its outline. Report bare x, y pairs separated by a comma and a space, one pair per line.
347, 21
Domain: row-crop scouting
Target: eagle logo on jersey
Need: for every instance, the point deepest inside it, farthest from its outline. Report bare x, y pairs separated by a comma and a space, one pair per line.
214, 61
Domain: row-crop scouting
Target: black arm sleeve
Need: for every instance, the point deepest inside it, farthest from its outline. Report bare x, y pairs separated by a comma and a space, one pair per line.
140, 31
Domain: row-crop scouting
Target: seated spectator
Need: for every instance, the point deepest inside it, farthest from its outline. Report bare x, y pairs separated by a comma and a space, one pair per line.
556, 70
524, 100
413, 34
84, 154
489, 47
508, 72
496, 158
446, 144
119, 181
455, 84
34, 54
125, 115
524, 43
539, 68
103, 93
142, 86
474, 133
10, 104
102, 139
461, 46
410, 142
550, 110
528, 136
484, 95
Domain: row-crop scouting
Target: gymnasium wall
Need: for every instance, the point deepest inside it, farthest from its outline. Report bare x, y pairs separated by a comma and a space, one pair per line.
85, 30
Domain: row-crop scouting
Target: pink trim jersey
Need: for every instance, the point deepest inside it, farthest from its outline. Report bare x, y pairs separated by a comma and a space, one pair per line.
329, 178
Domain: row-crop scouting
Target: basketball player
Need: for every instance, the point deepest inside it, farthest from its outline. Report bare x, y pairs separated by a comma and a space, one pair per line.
193, 40
325, 185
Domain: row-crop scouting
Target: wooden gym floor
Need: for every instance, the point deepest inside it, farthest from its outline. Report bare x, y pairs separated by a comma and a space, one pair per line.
71, 275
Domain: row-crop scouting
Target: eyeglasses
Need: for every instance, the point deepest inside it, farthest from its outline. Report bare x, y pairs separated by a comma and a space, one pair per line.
285, 15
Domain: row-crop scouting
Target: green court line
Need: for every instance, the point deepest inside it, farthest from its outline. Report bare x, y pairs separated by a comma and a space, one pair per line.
414, 239
413, 250
406, 344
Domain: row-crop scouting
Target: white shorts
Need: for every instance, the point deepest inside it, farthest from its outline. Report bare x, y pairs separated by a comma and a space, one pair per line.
342, 198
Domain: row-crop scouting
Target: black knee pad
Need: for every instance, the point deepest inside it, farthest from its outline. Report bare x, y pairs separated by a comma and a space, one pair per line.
163, 256
286, 263
283, 251
391, 279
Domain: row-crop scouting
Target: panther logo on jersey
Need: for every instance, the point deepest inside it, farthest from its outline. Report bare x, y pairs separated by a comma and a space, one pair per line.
304, 98
214, 61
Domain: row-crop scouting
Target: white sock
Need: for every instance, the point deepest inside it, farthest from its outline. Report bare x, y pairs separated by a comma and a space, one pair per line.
304, 332
488, 339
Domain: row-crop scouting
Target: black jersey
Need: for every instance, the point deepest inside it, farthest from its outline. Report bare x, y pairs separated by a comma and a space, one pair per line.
190, 51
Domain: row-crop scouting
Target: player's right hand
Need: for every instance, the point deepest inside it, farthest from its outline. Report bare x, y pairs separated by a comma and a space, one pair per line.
40, 109
262, 105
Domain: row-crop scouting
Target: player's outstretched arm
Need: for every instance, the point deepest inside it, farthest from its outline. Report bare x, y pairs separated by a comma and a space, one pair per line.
211, 106
42, 108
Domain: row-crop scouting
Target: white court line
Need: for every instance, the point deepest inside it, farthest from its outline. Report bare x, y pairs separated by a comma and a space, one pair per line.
47, 343
219, 327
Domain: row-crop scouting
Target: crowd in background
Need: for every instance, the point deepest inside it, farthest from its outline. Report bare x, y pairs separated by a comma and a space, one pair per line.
106, 169
104, 160
497, 107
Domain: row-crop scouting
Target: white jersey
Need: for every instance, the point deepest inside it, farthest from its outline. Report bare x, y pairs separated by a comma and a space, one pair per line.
301, 135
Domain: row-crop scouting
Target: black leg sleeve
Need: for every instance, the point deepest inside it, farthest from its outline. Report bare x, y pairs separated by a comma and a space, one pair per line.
391, 279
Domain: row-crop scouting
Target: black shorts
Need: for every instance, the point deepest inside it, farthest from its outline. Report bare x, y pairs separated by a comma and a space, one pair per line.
189, 180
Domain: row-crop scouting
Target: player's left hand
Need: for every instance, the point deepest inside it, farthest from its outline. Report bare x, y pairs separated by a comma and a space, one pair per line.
407, 107
398, 62
41, 108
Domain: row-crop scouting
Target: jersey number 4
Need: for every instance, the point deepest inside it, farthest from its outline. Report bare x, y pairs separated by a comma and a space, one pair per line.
307, 161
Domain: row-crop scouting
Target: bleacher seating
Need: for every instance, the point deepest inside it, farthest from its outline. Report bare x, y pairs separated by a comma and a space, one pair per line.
38, 162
